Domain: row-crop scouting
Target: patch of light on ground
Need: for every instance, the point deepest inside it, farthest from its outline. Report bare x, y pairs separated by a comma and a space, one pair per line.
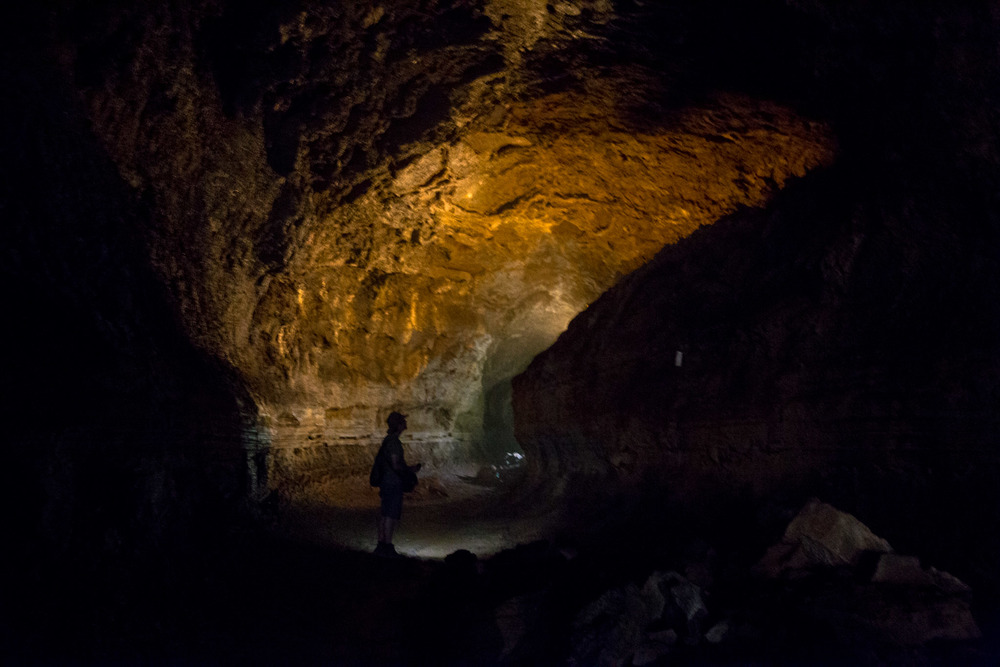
448, 511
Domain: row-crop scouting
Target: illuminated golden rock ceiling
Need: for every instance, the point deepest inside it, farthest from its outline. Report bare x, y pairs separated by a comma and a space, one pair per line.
388, 209
444, 281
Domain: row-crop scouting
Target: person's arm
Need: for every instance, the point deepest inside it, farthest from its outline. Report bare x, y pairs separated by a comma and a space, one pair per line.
397, 463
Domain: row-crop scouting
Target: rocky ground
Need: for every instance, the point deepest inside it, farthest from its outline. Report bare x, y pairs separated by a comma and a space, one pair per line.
483, 583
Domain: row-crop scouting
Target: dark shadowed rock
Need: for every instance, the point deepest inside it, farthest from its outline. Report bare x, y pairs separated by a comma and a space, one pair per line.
612, 628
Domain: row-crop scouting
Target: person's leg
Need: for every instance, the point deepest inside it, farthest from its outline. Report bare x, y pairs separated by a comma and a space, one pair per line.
384, 509
390, 528
390, 511
380, 525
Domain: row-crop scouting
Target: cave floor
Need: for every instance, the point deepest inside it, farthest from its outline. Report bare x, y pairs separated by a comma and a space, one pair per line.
299, 587
450, 510
307, 591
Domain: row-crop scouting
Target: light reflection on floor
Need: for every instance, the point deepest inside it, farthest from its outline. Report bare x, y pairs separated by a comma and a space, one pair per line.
471, 516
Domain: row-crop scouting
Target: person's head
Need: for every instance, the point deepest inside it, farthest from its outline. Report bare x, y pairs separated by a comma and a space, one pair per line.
397, 422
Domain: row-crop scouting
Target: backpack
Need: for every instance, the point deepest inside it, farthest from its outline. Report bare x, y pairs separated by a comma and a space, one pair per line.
378, 470
408, 479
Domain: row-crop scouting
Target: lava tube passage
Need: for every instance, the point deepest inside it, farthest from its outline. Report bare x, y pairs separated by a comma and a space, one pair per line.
431, 290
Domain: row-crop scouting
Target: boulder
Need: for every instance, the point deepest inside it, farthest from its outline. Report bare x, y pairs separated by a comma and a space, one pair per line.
656, 646
640, 623
610, 630
819, 536
906, 571
687, 602
895, 603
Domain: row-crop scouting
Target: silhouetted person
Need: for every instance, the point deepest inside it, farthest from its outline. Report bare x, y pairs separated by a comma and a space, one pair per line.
393, 483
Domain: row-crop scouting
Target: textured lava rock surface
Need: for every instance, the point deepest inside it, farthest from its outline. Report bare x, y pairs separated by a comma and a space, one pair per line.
366, 208
842, 339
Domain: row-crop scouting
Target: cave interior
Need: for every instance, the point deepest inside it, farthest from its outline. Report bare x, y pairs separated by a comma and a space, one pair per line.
646, 278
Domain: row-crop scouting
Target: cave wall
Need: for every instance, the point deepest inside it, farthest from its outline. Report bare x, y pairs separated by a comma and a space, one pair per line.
242, 127
362, 209
125, 446
842, 340
493, 243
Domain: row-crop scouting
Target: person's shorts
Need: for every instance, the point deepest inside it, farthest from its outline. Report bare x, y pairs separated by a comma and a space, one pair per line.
392, 502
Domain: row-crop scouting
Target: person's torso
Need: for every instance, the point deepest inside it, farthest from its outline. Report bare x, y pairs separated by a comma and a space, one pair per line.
391, 445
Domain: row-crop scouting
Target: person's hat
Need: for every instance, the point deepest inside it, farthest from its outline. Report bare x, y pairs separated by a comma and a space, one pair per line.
395, 418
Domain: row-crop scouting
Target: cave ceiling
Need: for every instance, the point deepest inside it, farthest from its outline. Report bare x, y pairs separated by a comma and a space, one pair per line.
474, 256
362, 207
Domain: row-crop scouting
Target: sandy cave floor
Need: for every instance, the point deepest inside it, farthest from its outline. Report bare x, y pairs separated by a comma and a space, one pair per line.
451, 509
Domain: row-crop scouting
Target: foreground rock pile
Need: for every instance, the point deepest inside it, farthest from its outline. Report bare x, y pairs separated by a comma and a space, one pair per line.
828, 591
829, 585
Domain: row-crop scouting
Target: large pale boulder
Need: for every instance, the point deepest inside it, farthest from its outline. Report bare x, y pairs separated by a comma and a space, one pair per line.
898, 603
819, 536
